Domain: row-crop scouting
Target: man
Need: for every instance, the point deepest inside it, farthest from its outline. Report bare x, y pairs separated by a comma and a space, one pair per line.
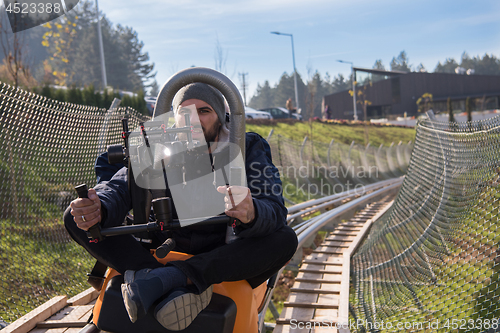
289, 107
264, 241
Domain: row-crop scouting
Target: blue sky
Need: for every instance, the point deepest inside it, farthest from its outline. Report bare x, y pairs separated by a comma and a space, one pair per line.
181, 33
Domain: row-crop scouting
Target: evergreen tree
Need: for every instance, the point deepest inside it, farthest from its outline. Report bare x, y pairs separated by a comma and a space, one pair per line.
421, 68
467, 62
74, 95
488, 65
284, 90
339, 83
127, 65
155, 89
378, 65
317, 89
60, 95
327, 84
401, 63
263, 97
139, 70
447, 67
86, 66
89, 96
451, 117
46, 91
468, 109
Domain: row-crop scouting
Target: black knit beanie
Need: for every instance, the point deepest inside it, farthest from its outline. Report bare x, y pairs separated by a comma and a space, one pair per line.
202, 92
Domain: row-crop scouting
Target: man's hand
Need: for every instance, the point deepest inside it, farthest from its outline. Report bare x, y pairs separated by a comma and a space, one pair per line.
243, 208
86, 212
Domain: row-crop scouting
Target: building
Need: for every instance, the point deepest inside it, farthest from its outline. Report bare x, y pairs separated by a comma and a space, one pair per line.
396, 93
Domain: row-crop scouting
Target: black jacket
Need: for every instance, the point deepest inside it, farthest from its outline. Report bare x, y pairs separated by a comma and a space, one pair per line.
262, 179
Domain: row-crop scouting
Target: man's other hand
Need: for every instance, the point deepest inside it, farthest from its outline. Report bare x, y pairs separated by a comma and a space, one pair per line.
238, 202
86, 212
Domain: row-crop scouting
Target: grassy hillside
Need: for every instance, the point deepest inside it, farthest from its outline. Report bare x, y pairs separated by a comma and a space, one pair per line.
325, 132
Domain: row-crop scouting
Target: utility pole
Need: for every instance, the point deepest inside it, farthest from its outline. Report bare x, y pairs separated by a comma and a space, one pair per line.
101, 48
244, 86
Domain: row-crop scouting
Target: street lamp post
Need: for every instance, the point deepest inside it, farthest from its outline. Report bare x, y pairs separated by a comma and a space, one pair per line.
353, 86
294, 69
101, 49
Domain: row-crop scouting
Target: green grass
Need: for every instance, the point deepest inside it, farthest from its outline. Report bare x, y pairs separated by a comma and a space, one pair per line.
325, 132
37, 264
40, 261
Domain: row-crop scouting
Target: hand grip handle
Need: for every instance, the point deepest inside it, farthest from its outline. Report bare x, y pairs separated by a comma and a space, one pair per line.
82, 190
94, 231
165, 248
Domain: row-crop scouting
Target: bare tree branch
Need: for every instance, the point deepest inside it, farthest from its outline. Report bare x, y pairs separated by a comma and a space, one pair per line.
219, 57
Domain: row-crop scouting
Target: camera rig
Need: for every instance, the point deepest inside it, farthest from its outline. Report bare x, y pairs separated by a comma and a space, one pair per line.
155, 147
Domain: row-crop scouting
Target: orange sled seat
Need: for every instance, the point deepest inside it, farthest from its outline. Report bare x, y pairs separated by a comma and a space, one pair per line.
233, 308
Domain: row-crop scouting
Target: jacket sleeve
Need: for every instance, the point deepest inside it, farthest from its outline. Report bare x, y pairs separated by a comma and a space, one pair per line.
103, 170
265, 185
115, 198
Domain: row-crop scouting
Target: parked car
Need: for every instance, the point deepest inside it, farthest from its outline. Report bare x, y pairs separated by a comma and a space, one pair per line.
279, 112
255, 114
150, 104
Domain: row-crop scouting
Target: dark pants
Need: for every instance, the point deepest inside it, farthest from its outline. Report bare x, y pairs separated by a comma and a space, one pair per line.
252, 259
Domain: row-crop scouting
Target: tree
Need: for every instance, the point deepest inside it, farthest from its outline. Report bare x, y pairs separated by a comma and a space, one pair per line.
313, 90
488, 65
127, 66
16, 63
220, 57
263, 97
266, 96
155, 89
421, 68
451, 117
59, 39
467, 62
339, 83
424, 103
285, 90
362, 99
401, 63
378, 65
140, 71
468, 108
447, 67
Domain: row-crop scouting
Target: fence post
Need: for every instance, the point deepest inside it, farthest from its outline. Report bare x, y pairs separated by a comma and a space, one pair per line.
390, 163
13, 182
328, 154
269, 135
302, 150
365, 160
401, 163
349, 161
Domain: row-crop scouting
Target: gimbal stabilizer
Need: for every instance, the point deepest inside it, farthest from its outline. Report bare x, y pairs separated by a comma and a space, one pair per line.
140, 146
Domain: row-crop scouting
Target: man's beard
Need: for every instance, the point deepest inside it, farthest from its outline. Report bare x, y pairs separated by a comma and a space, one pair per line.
211, 133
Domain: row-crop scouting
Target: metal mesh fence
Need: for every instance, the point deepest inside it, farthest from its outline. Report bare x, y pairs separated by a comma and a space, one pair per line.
432, 262
48, 147
314, 169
